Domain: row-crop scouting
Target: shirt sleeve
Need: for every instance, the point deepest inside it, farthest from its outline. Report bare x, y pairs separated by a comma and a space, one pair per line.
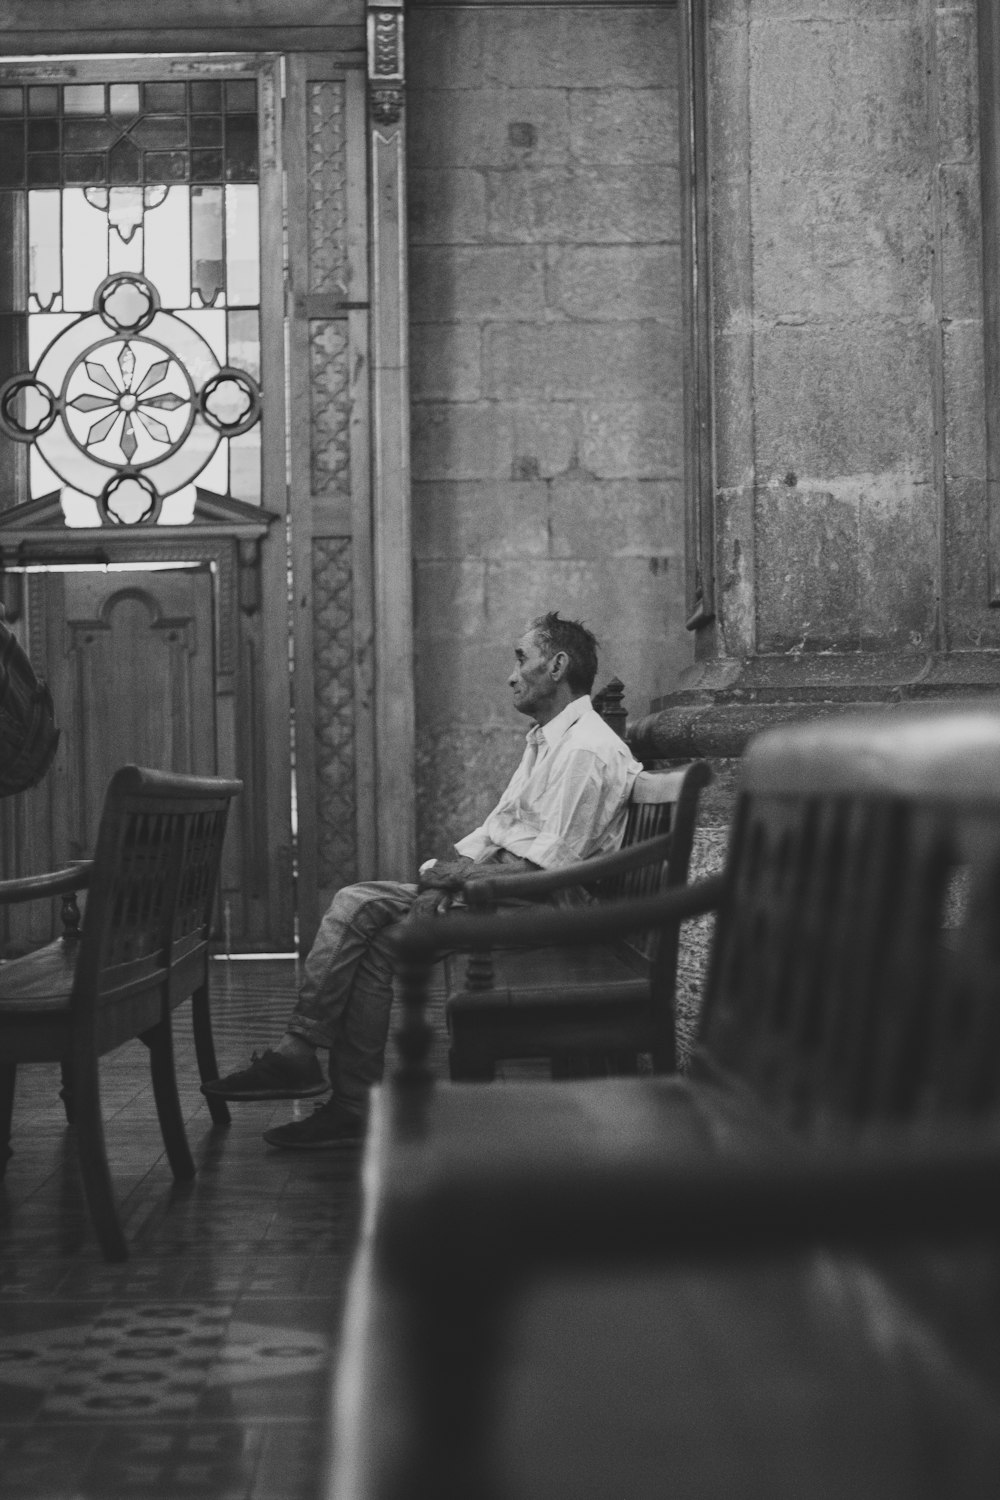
476, 845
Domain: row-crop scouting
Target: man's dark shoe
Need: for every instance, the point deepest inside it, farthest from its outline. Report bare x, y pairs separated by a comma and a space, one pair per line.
271, 1076
328, 1125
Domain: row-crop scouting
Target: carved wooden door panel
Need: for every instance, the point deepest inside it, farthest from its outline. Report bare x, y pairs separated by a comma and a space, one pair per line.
130, 656
130, 659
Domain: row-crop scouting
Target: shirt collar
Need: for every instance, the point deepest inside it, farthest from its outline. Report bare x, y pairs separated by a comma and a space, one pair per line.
553, 731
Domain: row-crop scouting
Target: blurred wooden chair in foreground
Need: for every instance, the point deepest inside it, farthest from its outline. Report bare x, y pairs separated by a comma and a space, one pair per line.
143, 948
775, 1276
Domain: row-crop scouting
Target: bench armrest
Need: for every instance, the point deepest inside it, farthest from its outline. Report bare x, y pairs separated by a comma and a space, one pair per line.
53, 883
418, 941
421, 937
502, 1223
459, 1238
486, 891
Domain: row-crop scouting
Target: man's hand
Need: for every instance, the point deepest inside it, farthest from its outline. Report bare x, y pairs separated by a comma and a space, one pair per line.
433, 903
446, 875
509, 864
439, 884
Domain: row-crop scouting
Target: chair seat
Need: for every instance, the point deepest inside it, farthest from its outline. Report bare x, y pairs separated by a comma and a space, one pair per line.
39, 983
566, 1006
613, 1118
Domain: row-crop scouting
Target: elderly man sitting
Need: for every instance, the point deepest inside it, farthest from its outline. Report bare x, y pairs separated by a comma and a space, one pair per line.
565, 802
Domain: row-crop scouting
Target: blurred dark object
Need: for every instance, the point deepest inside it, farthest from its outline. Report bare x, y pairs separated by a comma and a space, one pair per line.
28, 734
777, 1276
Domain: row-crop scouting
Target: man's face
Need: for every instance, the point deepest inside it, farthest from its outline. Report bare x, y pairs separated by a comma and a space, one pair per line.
531, 681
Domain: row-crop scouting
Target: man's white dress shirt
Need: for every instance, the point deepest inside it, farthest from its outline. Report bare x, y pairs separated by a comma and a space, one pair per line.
568, 798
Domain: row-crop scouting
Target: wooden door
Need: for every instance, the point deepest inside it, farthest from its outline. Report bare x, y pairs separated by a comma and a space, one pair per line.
142, 314
131, 660
305, 524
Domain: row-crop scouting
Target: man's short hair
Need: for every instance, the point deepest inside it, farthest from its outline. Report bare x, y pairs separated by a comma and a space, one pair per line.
579, 644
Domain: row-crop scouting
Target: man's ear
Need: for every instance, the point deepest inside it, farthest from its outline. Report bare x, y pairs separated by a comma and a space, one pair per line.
560, 666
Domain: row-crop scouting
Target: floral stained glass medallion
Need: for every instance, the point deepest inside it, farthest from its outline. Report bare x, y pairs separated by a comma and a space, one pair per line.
129, 303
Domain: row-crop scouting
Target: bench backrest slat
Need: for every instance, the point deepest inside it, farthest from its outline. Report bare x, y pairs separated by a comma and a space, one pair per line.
156, 863
660, 802
855, 967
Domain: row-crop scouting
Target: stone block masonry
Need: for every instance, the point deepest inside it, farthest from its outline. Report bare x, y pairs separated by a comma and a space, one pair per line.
849, 418
546, 343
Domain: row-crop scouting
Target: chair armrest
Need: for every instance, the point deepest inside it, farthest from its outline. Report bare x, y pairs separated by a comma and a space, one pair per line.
527, 1211
53, 883
462, 1233
420, 937
488, 890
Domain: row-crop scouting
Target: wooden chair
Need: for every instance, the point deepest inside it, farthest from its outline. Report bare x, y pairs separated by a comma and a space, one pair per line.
143, 948
625, 1286
598, 1007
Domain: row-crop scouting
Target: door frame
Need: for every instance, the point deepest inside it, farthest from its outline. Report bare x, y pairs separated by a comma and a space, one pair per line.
372, 35
250, 554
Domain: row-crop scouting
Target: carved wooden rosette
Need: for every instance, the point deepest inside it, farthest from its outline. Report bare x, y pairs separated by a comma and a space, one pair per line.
385, 62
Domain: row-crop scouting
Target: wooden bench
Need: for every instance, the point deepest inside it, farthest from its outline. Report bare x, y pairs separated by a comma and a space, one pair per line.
142, 950
773, 1277
596, 1008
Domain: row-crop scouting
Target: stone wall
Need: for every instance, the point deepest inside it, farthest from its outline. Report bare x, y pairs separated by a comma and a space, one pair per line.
846, 283
545, 300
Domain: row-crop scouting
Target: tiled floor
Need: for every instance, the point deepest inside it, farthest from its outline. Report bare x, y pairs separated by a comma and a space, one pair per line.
199, 1367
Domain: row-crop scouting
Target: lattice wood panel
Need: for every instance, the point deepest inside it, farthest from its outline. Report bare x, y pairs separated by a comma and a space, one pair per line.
336, 803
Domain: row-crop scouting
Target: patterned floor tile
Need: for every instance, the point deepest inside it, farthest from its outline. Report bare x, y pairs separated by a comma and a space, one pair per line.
44, 1462
291, 1458
172, 1461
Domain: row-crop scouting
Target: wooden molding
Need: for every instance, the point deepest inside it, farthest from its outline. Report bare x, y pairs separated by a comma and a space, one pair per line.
989, 159
71, 26
526, 4
391, 523
699, 485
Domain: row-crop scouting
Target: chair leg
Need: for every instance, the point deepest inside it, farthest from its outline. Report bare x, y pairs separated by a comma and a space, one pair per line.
8, 1077
204, 1050
168, 1106
66, 1092
94, 1158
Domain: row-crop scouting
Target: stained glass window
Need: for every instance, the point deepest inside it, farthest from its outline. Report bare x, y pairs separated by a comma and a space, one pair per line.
117, 134
129, 295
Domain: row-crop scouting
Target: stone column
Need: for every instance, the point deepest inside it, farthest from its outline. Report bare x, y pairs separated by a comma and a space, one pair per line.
841, 197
